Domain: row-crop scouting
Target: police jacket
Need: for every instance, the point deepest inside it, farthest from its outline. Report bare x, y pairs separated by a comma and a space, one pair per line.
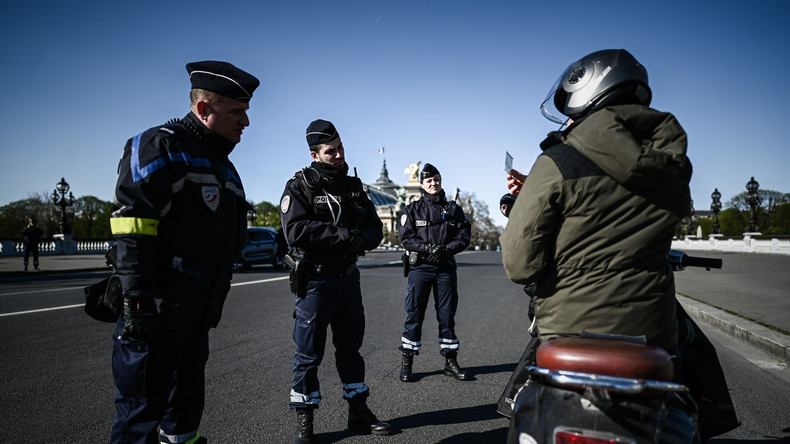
179, 221
434, 220
322, 209
594, 222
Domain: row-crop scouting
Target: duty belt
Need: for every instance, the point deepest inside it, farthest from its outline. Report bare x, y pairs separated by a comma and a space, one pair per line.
335, 270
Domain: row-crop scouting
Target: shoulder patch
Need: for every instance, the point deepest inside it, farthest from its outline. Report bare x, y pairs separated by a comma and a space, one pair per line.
211, 196
403, 219
285, 204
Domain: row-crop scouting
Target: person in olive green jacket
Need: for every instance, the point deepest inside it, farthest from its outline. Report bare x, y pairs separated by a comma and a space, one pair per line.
594, 218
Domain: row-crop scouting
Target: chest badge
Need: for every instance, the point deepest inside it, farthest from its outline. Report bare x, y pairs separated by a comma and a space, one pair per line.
421, 223
211, 197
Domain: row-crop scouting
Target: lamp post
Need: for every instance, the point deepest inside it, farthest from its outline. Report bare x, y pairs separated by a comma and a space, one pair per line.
59, 198
753, 199
716, 207
691, 219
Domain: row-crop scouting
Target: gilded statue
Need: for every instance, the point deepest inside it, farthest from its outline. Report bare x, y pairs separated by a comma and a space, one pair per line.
413, 171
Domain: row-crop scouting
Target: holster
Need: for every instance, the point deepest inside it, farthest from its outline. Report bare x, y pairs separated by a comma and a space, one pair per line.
104, 299
406, 265
300, 275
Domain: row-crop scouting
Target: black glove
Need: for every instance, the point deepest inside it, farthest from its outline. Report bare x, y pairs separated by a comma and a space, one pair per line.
140, 319
357, 244
439, 250
437, 254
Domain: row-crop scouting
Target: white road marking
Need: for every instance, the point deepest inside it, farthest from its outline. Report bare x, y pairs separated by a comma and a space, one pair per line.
81, 305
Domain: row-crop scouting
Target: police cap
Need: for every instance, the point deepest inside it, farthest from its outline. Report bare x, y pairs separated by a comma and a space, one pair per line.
222, 78
428, 171
320, 131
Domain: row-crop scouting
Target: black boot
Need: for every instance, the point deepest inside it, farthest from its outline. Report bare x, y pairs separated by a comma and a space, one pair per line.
405, 368
451, 368
361, 418
305, 419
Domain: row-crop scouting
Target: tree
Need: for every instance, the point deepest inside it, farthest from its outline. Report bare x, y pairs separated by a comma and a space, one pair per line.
768, 203
779, 220
267, 215
91, 218
15, 216
733, 221
484, 232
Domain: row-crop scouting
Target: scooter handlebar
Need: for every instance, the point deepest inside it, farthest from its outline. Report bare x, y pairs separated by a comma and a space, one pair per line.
680, 260
707, 262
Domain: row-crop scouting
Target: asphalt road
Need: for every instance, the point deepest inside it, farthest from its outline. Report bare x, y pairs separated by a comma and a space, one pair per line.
56, 383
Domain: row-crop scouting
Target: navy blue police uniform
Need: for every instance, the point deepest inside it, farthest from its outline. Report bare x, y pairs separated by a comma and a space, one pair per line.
434, 230
179, 222
328, 221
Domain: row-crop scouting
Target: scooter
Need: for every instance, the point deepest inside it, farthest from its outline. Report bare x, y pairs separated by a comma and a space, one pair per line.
600, 388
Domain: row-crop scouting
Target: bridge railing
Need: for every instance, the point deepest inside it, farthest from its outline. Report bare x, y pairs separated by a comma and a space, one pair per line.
756, 243
57, 245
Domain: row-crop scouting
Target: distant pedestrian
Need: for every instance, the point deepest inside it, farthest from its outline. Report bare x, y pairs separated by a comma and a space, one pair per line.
31, 236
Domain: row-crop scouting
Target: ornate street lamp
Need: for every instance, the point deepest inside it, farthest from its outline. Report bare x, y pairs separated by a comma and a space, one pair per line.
691, 219
59, 198
716, 207
753, 199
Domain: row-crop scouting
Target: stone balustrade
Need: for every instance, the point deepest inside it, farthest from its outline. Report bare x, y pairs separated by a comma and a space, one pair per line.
748, 243
59, 244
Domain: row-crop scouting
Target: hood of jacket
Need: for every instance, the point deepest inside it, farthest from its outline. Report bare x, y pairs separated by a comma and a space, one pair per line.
637, 146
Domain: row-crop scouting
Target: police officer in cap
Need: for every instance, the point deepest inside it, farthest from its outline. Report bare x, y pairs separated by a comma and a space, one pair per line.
432, 230
328, 221
179, 222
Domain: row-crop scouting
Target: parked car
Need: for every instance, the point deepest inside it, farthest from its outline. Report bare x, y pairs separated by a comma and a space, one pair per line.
261, 247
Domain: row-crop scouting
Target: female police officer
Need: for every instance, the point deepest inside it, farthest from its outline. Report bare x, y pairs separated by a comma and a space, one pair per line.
432, 230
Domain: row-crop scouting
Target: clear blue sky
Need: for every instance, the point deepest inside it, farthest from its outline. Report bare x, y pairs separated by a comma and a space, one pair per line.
453, 83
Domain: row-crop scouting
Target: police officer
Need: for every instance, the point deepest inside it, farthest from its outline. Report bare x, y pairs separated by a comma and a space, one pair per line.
328, 221
179, 222
432, 230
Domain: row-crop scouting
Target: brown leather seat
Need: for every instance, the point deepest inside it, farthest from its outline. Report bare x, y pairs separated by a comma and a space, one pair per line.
606, 357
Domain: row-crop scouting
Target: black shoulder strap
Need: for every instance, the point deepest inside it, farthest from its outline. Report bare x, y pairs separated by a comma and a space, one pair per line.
572, 163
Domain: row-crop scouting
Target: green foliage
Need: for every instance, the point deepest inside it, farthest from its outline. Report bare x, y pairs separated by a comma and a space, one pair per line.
88, 217
266, 215
15, 216
91, 218
733, 221
706, 224
778, 221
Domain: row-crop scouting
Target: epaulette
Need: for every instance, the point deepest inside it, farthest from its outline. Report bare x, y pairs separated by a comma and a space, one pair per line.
172, 125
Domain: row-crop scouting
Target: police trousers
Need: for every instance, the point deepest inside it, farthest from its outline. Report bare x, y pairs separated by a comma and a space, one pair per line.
336, 302
161, 385
443, 281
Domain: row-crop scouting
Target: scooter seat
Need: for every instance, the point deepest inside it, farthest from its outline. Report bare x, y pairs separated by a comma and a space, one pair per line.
606, 357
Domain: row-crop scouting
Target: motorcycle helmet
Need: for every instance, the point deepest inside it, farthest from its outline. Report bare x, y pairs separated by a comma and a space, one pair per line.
603, 78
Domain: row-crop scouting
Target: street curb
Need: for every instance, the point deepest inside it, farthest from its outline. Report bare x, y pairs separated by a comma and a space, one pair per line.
747, 331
